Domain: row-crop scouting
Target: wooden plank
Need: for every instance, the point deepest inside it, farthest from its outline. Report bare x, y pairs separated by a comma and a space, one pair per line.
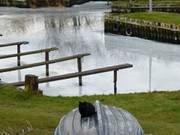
28, 53
115, 81
43, 63
18, 57
77, 74
47, 65
14, 44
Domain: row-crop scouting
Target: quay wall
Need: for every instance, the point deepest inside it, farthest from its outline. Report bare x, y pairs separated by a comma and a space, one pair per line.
156, 32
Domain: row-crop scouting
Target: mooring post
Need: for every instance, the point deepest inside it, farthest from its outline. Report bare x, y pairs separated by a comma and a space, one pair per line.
31, 83
18, 57
115, 81
46, 60
79, 70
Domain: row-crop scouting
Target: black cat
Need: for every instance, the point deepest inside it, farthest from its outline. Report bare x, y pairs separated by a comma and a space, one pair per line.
86, 109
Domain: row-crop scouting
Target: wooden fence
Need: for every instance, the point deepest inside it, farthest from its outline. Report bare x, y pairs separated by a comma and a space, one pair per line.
18, 44
32, 81
46, 62
74, 75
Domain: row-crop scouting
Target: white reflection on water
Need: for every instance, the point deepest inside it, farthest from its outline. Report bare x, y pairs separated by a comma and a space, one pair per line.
156, 65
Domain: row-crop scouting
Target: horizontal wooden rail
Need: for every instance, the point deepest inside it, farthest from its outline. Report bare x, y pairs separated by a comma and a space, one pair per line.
28, 81
14, 44
77, 74
28, 53
85, 73
18, 44
43, 63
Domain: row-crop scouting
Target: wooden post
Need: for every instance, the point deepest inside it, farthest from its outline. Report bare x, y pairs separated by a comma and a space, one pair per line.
18, 57
46, 60
115, 81
79, 70
31, 83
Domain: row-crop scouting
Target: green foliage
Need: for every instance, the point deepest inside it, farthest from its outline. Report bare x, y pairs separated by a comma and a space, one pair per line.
158, 113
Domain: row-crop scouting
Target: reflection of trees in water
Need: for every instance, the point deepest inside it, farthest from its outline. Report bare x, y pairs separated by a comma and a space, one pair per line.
73, 35
20, 24
14, 25
134, 50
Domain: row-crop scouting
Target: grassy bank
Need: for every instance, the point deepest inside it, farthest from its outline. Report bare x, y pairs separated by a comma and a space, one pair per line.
158, 113
126, 3
171, 18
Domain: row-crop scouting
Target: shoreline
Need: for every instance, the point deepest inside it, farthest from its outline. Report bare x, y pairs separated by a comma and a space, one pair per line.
150, 27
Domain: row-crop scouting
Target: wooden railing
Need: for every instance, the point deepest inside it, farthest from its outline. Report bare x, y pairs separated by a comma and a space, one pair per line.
28, 82
47, 62
27, 53
18, 44
32, 81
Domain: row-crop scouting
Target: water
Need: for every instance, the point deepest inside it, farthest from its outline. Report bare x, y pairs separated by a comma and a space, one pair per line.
81, 30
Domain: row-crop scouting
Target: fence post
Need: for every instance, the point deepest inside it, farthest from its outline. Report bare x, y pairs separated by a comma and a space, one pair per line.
18, 57
31, 83
115, 81
46, 60
79, 70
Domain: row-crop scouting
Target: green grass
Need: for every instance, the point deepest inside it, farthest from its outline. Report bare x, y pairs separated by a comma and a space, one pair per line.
171, 18
158, 113
125, 3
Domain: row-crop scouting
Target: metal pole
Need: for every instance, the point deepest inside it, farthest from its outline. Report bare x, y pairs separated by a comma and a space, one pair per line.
150, 6
150, 74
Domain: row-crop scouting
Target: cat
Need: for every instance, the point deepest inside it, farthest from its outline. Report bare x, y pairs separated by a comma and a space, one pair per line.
86, 109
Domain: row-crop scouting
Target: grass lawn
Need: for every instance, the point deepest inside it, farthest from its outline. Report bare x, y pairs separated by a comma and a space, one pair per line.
171, 18
158, 113
125, 3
